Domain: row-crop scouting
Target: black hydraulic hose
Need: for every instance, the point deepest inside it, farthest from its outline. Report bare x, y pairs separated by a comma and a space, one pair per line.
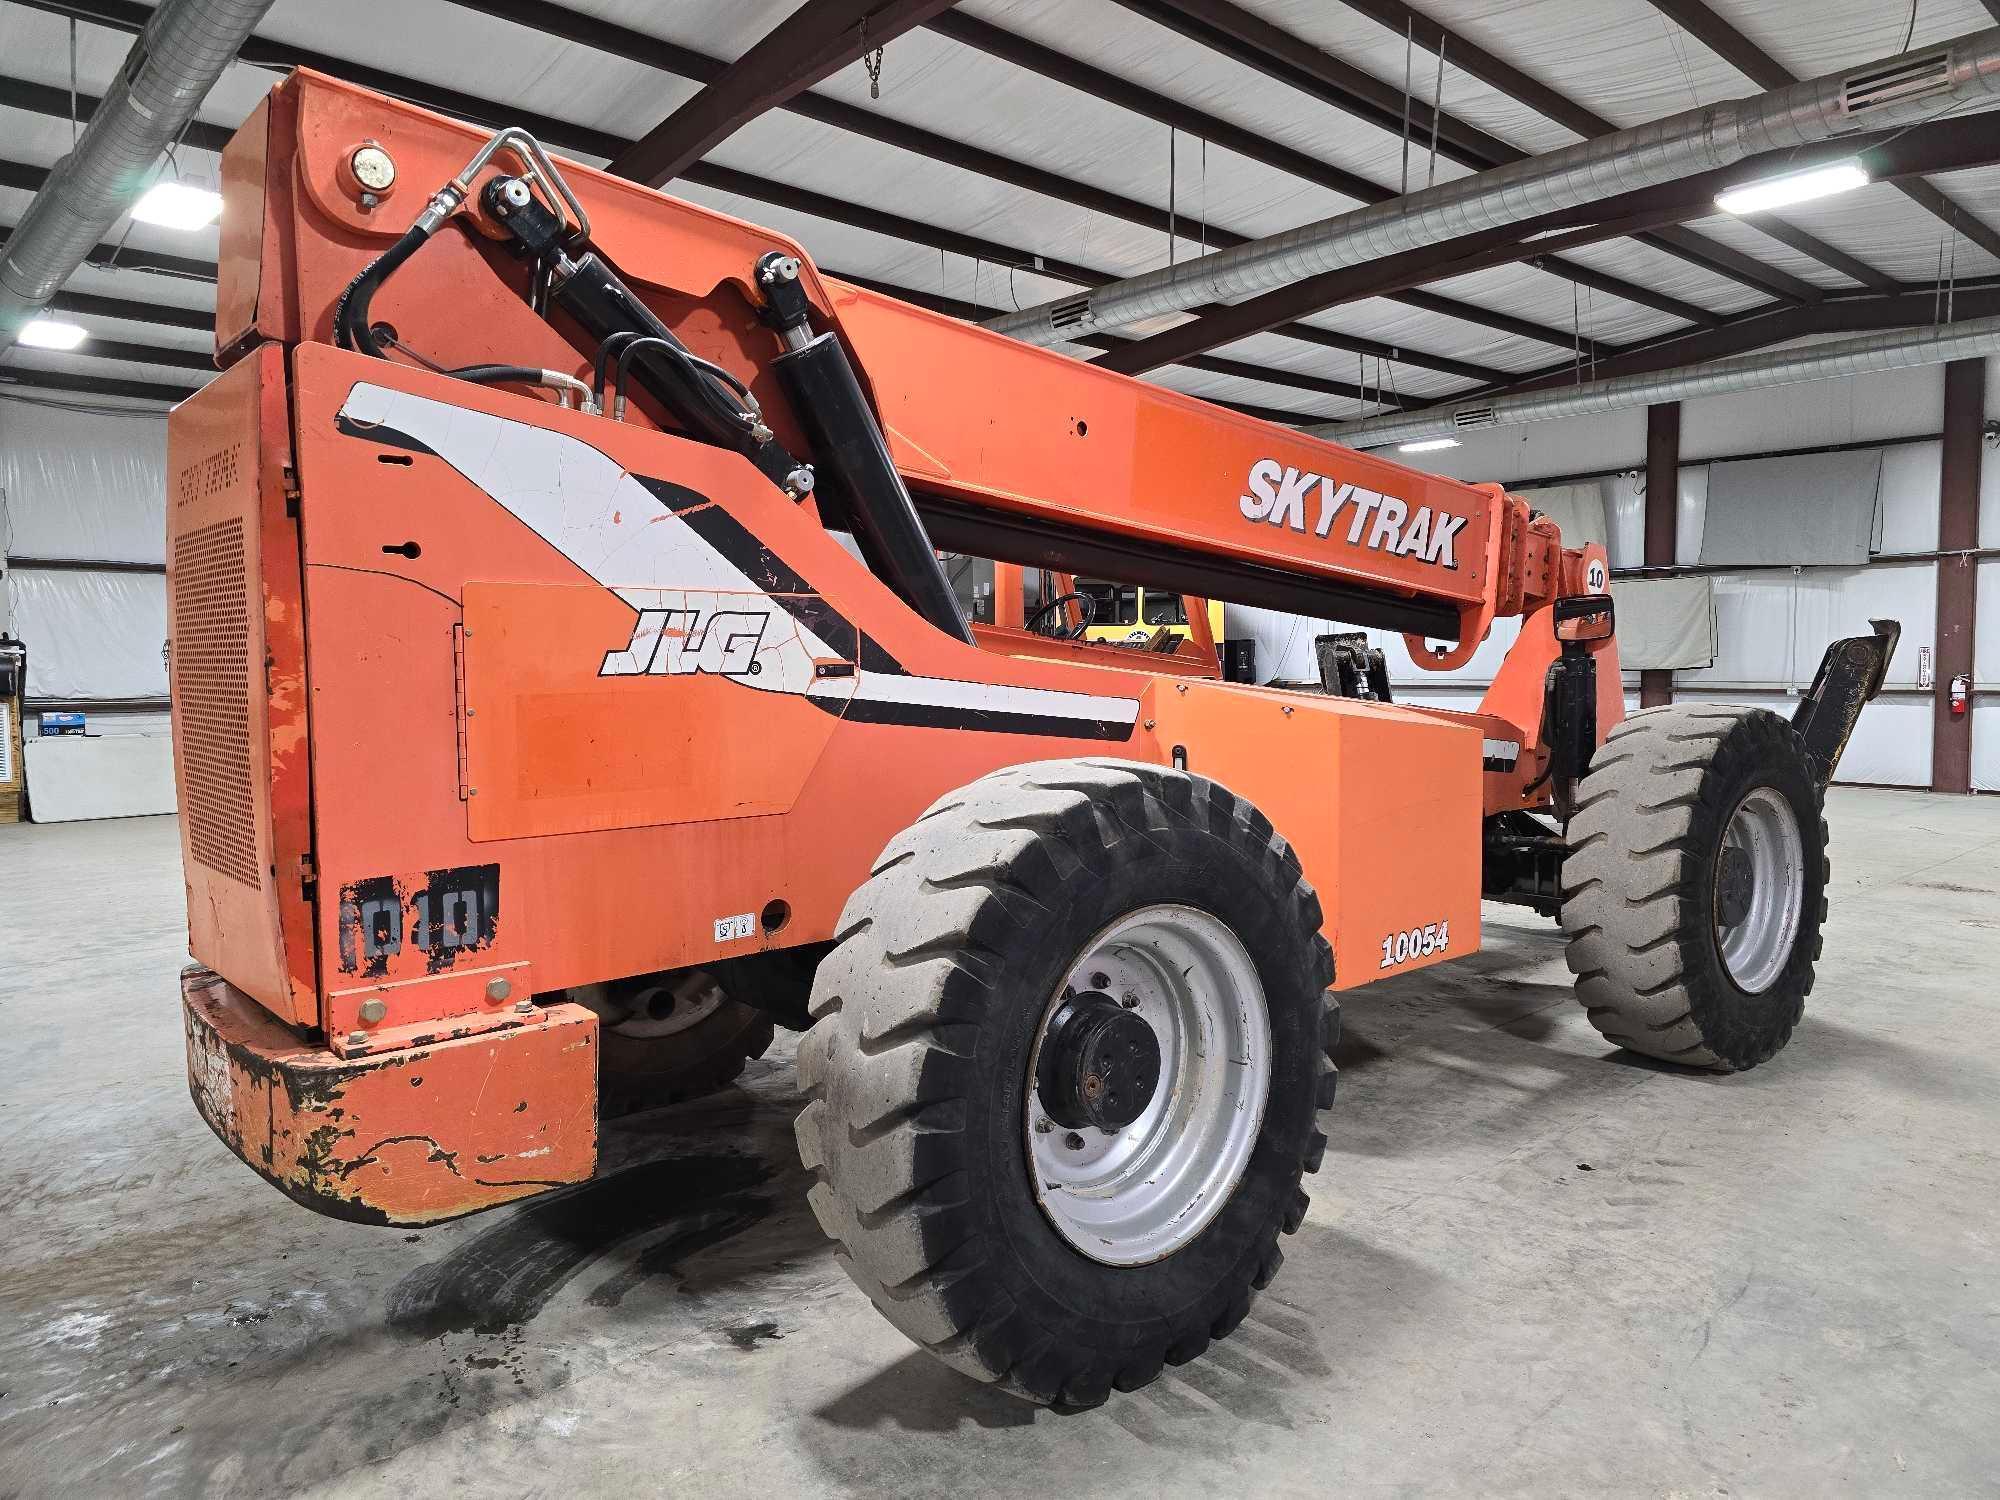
351, 328
626, 348
611, 345
697, 371
497, 374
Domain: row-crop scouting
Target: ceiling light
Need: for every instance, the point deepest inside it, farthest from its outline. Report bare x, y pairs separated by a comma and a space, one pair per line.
1427, 445
1793, 187
176, 205
52, 333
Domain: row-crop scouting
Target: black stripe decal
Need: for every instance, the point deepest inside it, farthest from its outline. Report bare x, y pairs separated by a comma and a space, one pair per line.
788, 588
380, 432
973, 720
677, 498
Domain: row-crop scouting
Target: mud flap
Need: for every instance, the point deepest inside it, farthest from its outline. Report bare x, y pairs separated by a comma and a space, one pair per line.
1851, 673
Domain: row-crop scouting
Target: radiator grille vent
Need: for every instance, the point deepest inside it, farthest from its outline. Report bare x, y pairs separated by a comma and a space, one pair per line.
211, 647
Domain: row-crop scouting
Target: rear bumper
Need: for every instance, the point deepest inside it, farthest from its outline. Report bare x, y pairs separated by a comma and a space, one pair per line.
411, 1136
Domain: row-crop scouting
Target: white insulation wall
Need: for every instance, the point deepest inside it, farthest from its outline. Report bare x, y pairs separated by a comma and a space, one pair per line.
1772, 623
86, 485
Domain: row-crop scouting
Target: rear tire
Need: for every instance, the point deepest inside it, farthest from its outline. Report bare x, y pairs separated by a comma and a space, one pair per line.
924, 1089
1695, 885
664, 1038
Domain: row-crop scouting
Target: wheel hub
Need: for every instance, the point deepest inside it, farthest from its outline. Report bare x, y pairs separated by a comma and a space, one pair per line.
1099, 1065
1164, 1009
1734, 883
1759, 889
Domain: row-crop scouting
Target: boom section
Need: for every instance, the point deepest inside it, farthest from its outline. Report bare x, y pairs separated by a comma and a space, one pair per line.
1020, 453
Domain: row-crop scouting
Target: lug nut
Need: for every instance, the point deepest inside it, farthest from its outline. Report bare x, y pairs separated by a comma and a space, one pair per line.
1073, 1141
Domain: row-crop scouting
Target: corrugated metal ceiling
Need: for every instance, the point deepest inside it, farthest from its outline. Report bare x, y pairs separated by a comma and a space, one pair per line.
1623, 59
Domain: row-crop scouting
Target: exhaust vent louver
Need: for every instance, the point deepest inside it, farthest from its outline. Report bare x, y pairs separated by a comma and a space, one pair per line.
211, 655
1474, 416
1900, 82
1066, 317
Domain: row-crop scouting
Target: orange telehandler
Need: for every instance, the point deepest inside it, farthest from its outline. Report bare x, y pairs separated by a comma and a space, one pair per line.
567, 690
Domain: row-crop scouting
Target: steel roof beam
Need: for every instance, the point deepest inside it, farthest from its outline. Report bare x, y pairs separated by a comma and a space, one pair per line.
814, 42
91, 385
155, 314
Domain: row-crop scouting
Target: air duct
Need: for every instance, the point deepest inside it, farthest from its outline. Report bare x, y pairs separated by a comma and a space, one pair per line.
1898, 350
169, 71
1916, 86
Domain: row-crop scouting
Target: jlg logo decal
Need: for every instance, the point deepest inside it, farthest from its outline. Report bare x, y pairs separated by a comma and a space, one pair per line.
1279, 494
679, 642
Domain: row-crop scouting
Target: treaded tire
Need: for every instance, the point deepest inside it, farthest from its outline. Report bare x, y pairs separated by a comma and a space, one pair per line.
916, 1069
1639, 884
639, 1073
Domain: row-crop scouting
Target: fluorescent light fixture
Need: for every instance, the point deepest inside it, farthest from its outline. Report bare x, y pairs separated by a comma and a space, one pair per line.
176, 205
52, 333
1427, 445
1793, 187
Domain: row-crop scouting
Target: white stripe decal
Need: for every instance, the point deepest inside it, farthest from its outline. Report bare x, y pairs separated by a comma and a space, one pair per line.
597, 515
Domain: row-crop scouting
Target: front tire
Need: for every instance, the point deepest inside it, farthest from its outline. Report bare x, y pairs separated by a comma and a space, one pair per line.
970, 952
1695, 885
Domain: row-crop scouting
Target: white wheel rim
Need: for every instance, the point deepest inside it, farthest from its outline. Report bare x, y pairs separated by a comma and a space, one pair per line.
1136, 1195
664, 1008
1764, 832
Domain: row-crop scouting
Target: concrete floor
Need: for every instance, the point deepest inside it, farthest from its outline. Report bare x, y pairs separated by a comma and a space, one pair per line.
1532, 1267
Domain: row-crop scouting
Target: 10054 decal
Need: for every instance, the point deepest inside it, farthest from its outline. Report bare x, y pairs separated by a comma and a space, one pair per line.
1415, 942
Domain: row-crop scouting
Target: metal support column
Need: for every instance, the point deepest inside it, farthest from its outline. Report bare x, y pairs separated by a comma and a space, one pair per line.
1957, 576
1663, 488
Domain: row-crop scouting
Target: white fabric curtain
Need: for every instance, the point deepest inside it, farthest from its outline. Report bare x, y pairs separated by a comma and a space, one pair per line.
1812, 508
85, 486
91, 635
1665, 623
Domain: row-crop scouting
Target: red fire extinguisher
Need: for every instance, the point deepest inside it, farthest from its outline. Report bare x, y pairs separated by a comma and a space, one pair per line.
1961, 695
